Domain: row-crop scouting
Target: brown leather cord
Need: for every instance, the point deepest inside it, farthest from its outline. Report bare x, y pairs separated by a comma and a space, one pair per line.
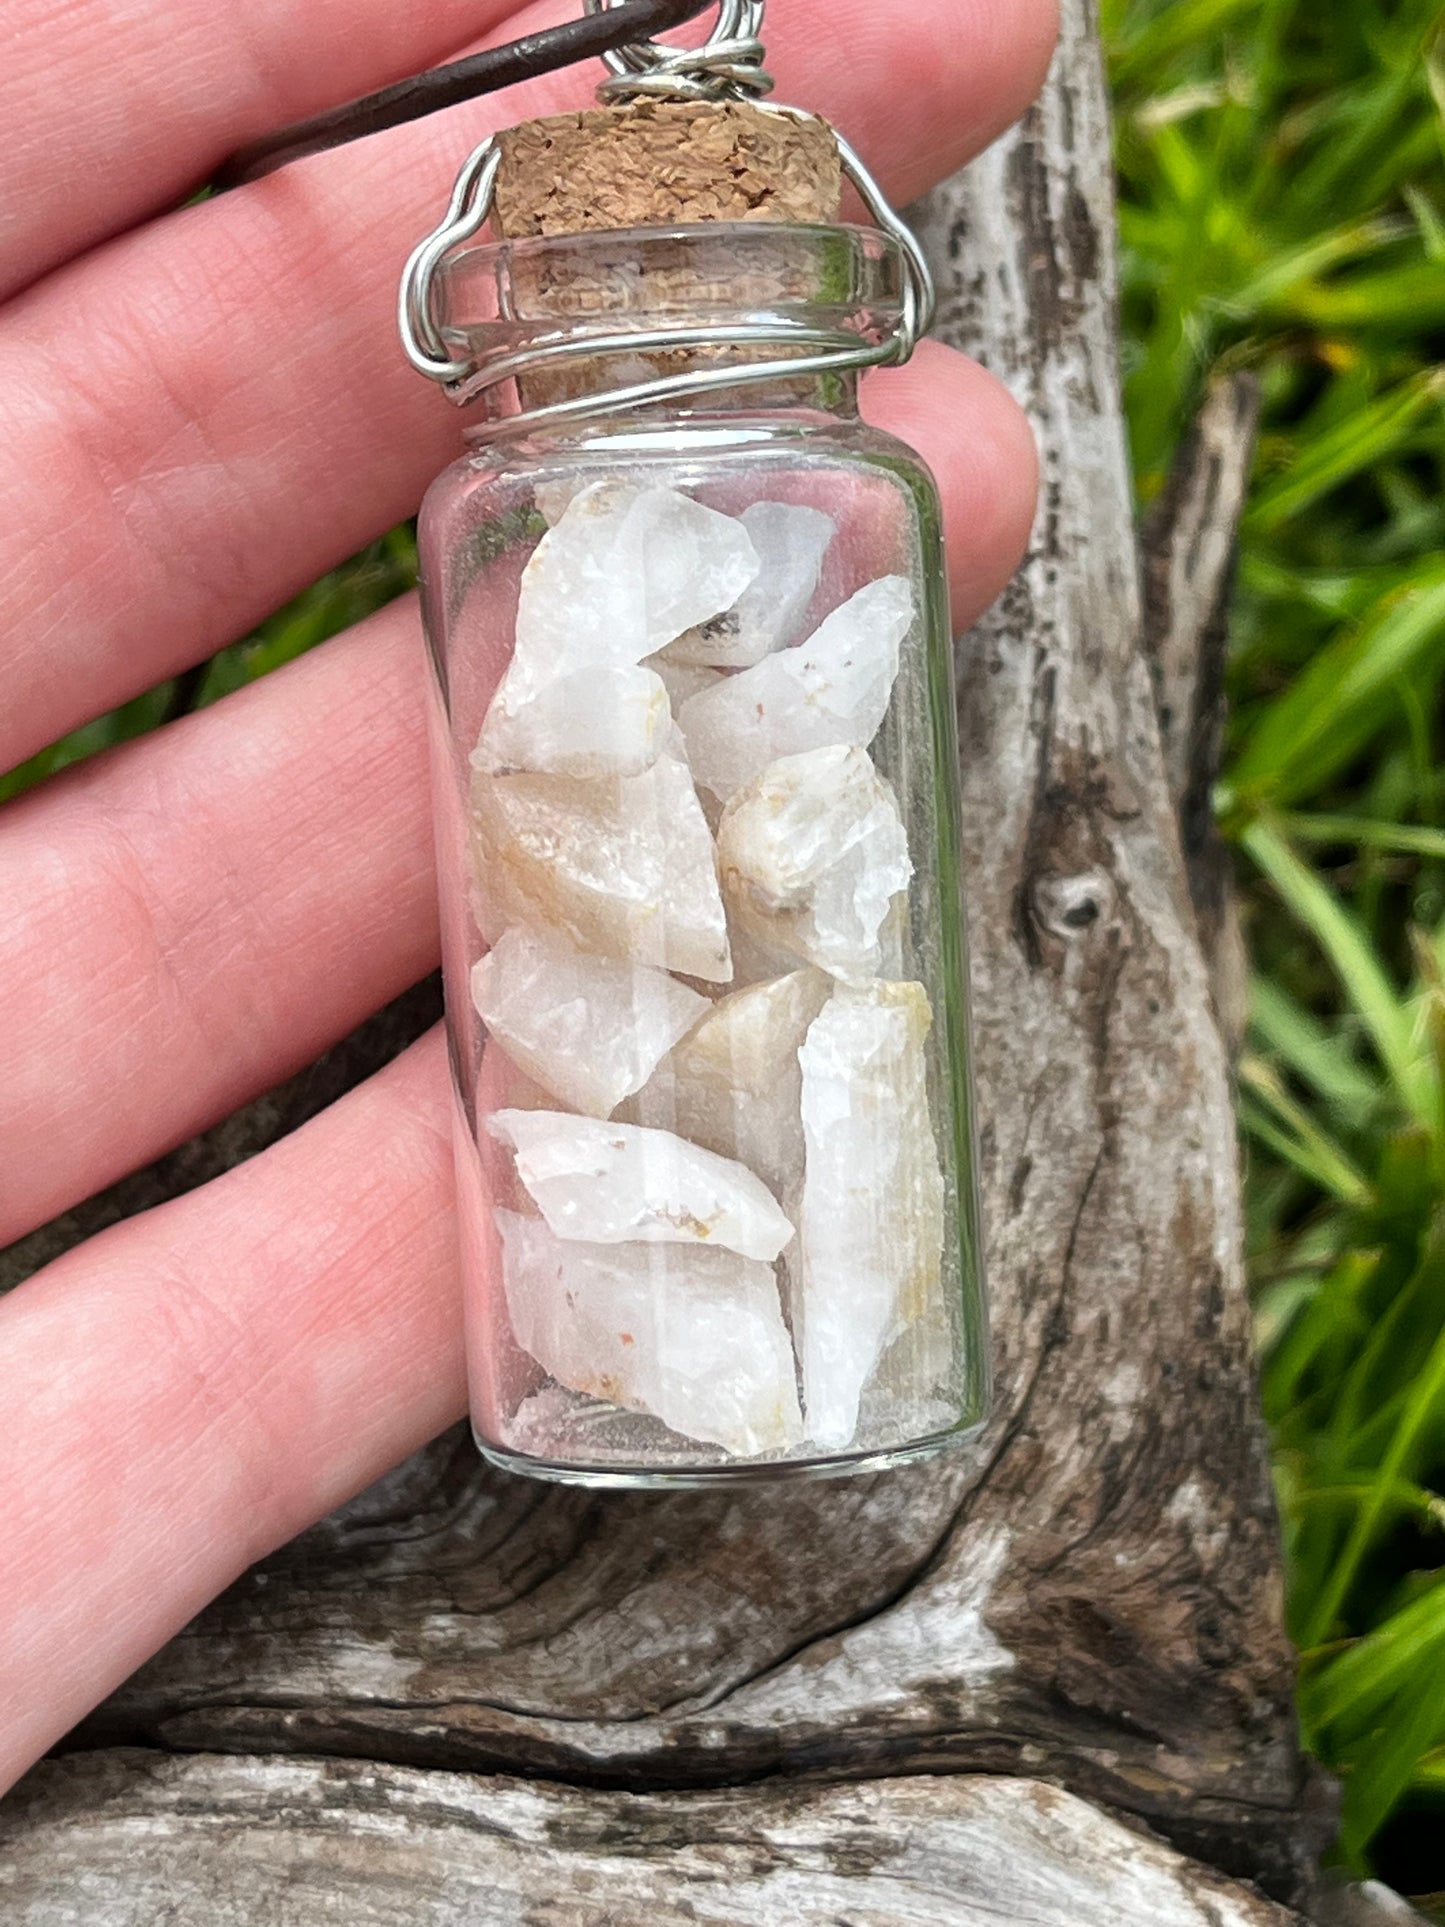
484, 73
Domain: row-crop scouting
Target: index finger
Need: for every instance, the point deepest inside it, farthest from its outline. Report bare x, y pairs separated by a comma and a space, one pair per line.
150, 99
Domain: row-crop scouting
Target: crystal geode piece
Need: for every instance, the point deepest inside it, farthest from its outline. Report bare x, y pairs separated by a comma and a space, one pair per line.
872, 1219
608, 721
617, 1183
588, 1029
694, 1336
620, 866
791, 543
734, 1085
812, 855
623, 571
832, 689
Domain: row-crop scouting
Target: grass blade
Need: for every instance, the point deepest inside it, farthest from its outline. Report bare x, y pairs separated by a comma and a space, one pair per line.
1348, 949
1420, 1406
1400, 839
1329, 459
1295, 1136
1308, 1049
1343, 697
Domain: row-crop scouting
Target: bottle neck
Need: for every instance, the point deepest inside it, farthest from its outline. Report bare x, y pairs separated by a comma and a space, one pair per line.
799, 405
559, 328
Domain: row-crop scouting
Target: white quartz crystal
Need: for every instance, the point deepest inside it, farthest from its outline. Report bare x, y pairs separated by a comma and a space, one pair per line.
589, 1029
683, 680
791, 543
832, 689
754, 961
604, 721
916, 1389
872, 1220
622, 866
812, 855
734, 1084
613, 1183
553, 499
692, 1335
623, 571
505, 1086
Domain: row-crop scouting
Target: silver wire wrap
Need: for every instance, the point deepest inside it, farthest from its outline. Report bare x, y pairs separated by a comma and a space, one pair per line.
832, 351
729, 66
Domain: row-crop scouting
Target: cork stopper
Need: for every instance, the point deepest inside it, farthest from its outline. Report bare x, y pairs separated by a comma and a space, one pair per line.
657, 163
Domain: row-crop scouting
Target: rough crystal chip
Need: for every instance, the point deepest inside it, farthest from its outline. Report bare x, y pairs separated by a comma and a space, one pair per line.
613, 1183
505, 1086
606, 721
622, 866
755, 962
915, 1391
813, 854
589, 1029
734, 1085
791, 543
872, 1220
552, 499
683, 680
832, 689
608, 584
623, 571
692, 1335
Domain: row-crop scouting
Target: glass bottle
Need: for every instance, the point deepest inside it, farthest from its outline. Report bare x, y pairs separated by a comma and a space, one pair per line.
694, 756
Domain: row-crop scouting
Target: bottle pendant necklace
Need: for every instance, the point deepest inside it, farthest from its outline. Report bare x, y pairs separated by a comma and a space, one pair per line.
697, 803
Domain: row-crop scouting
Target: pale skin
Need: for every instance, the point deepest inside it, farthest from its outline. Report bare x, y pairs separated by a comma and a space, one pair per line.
201, 411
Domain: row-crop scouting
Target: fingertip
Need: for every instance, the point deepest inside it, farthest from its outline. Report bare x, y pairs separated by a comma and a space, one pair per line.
980, 447
921, 96
1035, 28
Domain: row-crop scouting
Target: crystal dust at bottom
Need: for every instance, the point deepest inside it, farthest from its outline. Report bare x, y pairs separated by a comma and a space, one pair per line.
705, 970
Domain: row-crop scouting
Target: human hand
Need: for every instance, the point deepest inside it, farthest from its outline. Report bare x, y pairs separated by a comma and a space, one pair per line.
202, 410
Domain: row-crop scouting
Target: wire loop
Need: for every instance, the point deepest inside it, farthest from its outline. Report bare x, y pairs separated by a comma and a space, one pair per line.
728, 66
466, 216
827, 351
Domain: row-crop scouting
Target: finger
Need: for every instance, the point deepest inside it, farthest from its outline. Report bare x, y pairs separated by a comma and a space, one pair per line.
195, 1386
977, 441
199, 914
154, 97
206, 415
193, 918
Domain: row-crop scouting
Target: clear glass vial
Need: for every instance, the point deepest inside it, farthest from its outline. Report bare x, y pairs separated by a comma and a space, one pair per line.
698, 839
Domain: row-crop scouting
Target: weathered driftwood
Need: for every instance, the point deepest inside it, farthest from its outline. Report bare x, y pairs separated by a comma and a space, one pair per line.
283, 1843
1091, 1601
1188, 576
1188, 543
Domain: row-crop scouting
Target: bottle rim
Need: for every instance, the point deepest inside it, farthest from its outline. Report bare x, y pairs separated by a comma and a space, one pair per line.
556, 328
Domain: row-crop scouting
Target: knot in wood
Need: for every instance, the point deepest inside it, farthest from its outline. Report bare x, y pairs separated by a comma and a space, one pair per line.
1070, 907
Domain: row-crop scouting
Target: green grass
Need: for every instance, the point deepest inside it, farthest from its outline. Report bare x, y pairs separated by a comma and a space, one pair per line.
1283, 210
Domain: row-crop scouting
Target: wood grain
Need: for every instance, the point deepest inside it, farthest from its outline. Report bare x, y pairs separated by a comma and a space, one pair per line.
1189, 543
309, 1843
